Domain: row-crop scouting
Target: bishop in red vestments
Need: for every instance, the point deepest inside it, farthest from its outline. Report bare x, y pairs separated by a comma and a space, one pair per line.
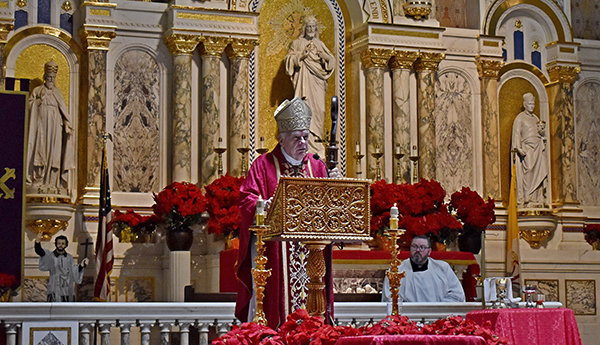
285, 290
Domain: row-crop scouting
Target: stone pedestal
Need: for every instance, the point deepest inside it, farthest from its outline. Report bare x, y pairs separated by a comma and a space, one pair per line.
179, 274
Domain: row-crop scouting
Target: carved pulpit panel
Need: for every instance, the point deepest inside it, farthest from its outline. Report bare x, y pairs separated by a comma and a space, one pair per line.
320, 209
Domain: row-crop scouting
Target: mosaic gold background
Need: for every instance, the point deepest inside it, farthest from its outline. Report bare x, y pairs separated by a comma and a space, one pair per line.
274, 84
30, 65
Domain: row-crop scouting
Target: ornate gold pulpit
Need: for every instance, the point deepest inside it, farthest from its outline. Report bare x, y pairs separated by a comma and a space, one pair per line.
317, 211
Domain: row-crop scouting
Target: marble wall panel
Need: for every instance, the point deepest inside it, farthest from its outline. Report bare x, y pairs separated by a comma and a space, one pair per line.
451, 13
454, 132
581, 296
426, 123
587, 130
548, 288
139, 289
96, 113
136, 123
375, 119
34, 289
584, 18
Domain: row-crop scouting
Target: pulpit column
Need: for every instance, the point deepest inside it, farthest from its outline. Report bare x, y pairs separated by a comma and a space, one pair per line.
96, 42
401, 64
375, 60
239, 53
426, 67
5, 29
562, 135
488, 76
211, 51
182, 47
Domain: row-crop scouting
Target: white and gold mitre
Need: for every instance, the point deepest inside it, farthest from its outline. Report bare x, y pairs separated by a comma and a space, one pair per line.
51, 67
293, 115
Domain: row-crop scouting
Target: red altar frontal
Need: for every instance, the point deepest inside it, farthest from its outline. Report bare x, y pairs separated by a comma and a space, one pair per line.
374, 263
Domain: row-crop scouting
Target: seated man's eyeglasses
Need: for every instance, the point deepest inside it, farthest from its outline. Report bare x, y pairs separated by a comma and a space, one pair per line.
421, 248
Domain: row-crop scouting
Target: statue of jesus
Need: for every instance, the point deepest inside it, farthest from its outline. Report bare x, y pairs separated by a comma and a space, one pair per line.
309, 63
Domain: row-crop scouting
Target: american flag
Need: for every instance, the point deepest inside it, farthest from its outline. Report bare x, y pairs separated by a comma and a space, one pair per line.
104, 243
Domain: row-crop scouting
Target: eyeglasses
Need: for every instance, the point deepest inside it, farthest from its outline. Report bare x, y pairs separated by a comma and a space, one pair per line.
421, 248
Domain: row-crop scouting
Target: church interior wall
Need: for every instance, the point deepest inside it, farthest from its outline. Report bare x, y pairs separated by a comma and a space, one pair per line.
141, 122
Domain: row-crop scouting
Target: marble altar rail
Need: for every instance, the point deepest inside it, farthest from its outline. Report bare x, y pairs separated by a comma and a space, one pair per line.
115, 321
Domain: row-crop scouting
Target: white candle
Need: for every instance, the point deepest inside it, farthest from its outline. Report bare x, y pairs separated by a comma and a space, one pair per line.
397, 149
243, 141
394, 211
357, 147
220, 142
260, 205
262, 142
377, 149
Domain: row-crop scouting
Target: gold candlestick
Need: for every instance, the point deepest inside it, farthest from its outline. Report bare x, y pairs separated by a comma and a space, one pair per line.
398, 156
358, 158
262, 149
394, 276
244, 151
377, 155
220, 150
259, 273
414, 160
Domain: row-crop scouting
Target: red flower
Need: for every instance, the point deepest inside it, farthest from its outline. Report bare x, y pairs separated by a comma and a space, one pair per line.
592, 233
249, 333
7, 280
180, 205
472, 209
222, 196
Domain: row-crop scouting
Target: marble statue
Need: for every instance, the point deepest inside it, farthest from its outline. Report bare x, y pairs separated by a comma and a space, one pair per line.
309, 63
529, 154
50, 144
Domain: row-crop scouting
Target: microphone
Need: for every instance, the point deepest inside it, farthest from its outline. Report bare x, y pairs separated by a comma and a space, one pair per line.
317, 157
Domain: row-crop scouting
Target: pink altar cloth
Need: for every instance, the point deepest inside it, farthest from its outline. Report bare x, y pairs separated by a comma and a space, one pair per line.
412, 339
531, 326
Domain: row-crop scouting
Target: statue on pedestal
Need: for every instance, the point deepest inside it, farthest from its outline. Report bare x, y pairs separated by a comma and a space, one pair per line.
529, 147
50, 144
309, 63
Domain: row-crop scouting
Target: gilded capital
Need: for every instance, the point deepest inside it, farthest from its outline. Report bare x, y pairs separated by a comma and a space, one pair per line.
428, 61
563, 74
182, 43
97, 39
214, 45
5, 29
489, 68
375, 57
403, 59
241, 47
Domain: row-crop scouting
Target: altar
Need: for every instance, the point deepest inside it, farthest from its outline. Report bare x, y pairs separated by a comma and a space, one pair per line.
362, 271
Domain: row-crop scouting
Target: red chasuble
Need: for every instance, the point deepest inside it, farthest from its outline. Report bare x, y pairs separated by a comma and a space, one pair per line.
285, 291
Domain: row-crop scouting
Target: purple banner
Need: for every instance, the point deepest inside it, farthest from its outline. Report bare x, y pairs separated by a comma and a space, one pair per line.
13, 107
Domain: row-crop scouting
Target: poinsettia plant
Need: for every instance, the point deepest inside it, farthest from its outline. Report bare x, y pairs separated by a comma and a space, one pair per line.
301, 328
180, 205
424, 211
130, 225
7, 283
592, 233
222, 197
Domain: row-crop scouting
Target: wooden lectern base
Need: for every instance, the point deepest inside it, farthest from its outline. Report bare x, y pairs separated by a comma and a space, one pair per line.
315, 305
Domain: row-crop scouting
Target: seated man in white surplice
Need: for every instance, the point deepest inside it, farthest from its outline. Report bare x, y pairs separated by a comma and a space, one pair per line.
427, 279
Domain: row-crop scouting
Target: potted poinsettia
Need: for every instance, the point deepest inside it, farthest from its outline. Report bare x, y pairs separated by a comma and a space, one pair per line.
179, 206
130, 226
476, 214
7, 284
222, 206
592, 235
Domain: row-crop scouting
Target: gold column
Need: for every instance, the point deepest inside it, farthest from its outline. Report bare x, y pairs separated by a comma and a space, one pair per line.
182, 47
238, 52
426, 67
488, 75
212, 49
5, 29
375, 60
562, 134
401, 63
93, 95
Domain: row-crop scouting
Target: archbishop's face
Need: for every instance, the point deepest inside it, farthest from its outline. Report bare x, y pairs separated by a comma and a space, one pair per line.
296, 143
